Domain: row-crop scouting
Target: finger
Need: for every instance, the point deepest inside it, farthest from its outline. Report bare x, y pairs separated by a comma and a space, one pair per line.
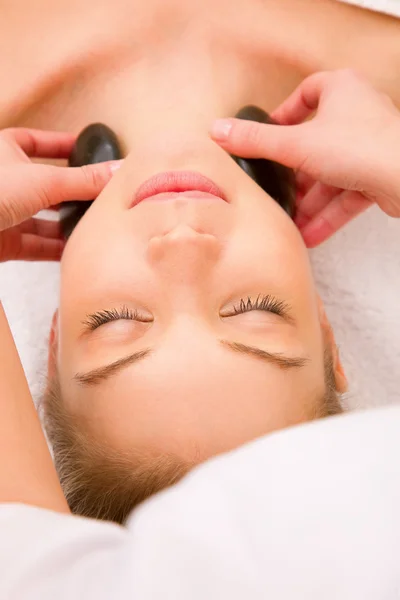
75, 183
334, 216
42, 228
40, 143
249, 139
304, 182
303, 101
32, 188
32, 247
314, 201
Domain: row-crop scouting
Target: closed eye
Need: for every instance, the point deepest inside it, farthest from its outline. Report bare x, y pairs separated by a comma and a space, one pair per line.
266, 303
97, 319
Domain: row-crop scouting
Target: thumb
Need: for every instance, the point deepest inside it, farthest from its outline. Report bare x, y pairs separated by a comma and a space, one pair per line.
35, 187
249, 139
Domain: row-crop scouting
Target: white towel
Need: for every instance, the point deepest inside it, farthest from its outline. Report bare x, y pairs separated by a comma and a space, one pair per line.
357, 274
391, 7
29, 292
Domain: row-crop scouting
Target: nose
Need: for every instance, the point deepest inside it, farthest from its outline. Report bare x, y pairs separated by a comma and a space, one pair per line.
184, 252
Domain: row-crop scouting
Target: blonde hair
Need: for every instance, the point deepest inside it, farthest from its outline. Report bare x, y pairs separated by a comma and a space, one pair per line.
97, 481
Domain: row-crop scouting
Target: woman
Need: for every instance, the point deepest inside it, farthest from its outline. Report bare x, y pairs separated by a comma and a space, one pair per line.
234, 525
214, 299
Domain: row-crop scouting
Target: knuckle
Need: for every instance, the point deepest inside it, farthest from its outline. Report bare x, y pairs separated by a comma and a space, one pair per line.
92, 176
347, 205
10, 215
46, 197
45, 188
252, 133
352, 204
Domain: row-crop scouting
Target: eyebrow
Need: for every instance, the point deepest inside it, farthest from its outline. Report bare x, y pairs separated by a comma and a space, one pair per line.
96, 376
277, 358
100, 374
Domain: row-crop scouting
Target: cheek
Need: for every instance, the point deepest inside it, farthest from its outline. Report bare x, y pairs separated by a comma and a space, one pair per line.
270, 252
266, 255
101, 268
101, 257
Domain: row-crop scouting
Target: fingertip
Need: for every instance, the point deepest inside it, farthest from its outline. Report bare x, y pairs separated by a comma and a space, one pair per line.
316, 232
94, 177
220, 130
108, 168
311, 243
115, 165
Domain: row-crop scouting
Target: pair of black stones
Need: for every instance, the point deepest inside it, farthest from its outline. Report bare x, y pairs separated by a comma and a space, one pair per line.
98, 143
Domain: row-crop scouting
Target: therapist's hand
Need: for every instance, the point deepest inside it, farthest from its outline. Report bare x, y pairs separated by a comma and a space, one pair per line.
27, 187
346, 157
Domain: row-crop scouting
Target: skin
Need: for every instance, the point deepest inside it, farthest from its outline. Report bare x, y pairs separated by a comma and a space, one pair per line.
185, 263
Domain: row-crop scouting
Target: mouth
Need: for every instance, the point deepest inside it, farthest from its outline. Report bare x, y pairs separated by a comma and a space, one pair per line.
167, 186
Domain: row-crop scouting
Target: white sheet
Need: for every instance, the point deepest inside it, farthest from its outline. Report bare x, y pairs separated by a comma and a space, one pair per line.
358, 275
310, 513
29, 292
391, 7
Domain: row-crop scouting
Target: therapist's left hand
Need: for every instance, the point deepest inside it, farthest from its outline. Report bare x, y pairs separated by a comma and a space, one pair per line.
27, 188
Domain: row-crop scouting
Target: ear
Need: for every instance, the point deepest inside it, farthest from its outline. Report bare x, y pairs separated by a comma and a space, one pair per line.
340, 377
53, 346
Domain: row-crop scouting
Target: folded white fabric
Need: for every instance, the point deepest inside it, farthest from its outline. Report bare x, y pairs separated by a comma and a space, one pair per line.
391, 7
307, 513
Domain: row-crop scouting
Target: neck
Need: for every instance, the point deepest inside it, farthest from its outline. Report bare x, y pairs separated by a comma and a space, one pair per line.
157, 66
153, 65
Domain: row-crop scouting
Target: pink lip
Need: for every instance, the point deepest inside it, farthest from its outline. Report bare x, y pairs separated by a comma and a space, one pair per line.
177, 182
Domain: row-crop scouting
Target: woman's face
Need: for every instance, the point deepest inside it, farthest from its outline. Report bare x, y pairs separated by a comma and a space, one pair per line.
180, 368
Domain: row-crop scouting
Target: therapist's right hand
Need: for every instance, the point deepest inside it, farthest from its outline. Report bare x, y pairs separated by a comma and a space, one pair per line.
27, 188
346, 157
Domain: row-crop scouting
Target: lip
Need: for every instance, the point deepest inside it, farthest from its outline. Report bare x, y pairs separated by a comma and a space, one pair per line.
176, 182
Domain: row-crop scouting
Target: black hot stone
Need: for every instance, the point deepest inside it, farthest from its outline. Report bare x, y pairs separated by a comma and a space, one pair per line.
96, 143
275, 179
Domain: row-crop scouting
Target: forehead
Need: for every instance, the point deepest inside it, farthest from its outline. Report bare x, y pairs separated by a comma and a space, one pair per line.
190, 401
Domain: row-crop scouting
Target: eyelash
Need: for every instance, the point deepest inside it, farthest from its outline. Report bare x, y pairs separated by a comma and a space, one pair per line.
267, 303
97, 319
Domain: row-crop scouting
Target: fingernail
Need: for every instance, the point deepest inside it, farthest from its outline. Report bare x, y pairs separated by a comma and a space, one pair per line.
221, 129
115, 165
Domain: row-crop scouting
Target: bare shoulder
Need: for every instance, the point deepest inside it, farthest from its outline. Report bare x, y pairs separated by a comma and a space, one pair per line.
328, 34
